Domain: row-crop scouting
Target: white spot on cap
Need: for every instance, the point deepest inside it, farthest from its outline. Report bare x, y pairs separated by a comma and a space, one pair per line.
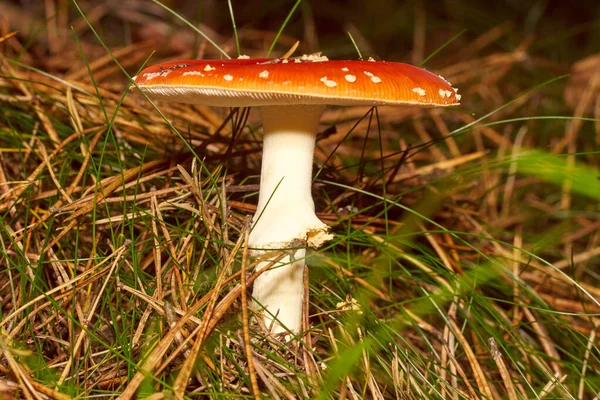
376, 79
444, 79
241, 79
297, 61
193, 73
350, 78
345, 69
445, 93
264, 74
285, 61
208, 68
419, 91
328, 82
151, 75
458, 96
287, 82
371, 59
316, 57
228, 78
243, 57
367, 73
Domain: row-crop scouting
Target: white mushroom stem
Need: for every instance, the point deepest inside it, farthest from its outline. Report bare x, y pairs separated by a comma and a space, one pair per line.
285, 217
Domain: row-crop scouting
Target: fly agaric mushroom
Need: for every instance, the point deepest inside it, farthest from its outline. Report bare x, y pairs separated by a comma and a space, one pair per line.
292, 95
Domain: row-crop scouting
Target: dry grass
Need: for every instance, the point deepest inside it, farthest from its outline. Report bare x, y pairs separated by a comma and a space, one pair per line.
123, 234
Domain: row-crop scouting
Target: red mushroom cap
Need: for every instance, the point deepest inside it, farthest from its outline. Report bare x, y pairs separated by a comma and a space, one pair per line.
306, 80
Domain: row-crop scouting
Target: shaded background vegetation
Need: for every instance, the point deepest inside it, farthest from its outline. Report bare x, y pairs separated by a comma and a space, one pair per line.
496, 255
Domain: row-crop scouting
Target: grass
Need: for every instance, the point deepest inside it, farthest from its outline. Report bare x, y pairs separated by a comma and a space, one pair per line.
465, 259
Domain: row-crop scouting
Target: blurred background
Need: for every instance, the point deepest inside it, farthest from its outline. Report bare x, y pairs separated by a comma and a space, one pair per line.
512, 174
396, 30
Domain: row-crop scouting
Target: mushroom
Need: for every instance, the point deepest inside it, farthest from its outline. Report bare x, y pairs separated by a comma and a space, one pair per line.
292, 95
